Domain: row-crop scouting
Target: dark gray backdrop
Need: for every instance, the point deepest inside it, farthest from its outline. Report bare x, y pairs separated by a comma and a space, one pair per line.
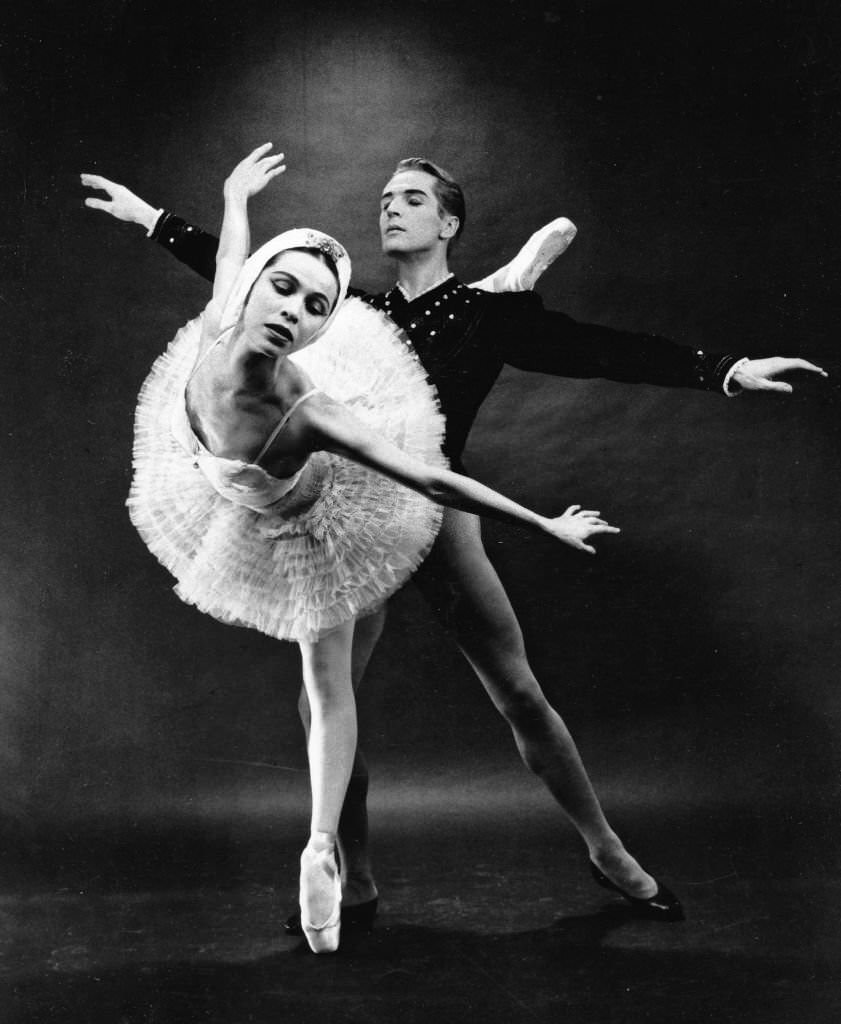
696, 148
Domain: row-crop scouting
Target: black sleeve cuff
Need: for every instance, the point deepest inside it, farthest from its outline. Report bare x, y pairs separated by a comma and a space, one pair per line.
187, 243
711, 369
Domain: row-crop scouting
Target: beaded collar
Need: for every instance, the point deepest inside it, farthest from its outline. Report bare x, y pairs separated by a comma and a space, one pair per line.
426, 291
443, 309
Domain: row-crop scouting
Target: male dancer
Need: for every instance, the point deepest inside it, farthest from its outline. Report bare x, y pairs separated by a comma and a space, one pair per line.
463, 337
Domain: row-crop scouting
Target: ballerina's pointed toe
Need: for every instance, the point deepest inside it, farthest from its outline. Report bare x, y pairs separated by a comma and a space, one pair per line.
662, 906
320, 882
356, 917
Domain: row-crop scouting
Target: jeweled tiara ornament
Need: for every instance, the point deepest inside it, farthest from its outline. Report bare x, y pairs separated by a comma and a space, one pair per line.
326, 245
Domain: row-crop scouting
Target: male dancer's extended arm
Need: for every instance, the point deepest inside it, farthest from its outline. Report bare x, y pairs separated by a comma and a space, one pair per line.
187, 242
533, 338
530, 337
523, 332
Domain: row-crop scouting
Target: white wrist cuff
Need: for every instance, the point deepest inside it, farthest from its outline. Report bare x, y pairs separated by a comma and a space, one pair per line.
732, 389
151, 230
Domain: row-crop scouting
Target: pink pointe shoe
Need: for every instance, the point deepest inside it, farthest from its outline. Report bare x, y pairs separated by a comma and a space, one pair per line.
320, 897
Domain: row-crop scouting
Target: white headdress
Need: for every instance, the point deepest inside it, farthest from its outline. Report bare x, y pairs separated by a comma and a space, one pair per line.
296, 238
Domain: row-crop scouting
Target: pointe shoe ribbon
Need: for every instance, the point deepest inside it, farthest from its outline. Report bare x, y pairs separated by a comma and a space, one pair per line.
321, 884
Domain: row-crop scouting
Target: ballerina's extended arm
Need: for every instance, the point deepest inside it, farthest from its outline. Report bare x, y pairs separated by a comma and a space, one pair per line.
249, 177
330, 426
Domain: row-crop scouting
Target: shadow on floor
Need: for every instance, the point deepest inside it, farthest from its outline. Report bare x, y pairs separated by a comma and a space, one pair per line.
494, 921
405, 973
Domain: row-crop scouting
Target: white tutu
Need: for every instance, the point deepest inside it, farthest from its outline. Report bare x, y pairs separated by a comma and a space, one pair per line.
342, 541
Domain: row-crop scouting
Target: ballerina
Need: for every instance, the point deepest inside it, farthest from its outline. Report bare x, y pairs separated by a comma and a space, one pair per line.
289, 487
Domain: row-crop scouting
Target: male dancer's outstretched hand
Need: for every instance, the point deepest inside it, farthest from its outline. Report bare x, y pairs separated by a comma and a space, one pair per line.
577, 525
121, 203
761, 374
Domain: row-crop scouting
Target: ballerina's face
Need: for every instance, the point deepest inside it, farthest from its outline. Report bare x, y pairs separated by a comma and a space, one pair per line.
290, 301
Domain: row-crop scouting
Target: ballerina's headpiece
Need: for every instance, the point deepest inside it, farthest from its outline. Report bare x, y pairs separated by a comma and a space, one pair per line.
296, 238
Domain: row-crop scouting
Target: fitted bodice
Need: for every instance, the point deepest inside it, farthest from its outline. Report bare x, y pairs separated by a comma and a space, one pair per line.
243, 483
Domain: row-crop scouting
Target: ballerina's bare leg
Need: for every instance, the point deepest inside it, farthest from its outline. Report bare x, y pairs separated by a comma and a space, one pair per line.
357, 875
331, 747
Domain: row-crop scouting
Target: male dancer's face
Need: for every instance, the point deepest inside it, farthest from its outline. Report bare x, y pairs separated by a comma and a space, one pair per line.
411, 219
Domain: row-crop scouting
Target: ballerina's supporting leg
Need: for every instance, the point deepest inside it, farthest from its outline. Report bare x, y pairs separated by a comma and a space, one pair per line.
357, 875
331, 746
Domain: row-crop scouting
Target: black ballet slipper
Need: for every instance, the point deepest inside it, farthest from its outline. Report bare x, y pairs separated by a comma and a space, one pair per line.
359, 917
662, 906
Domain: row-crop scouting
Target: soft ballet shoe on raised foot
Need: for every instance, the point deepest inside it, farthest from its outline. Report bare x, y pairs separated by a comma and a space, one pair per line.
321, 884
662, 906
359, 917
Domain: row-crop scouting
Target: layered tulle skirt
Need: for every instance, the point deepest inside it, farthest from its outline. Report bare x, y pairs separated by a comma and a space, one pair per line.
337, 545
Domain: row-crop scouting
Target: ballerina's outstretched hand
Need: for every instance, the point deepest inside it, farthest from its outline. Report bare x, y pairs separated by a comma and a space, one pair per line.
577, 525
254, 172
330, 426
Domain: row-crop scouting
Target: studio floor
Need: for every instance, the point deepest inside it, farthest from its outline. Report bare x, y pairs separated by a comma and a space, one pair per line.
490, 917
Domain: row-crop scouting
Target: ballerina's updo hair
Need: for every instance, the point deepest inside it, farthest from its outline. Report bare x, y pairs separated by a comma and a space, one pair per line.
447, 190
